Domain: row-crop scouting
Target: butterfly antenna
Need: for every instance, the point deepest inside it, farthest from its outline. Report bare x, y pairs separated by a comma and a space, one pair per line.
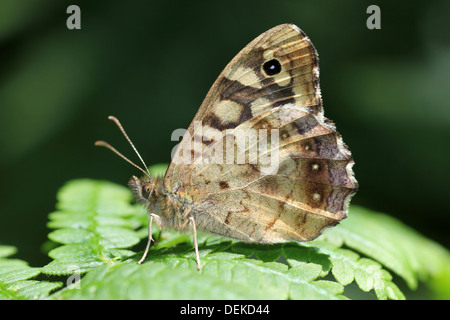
107, 145
110, 147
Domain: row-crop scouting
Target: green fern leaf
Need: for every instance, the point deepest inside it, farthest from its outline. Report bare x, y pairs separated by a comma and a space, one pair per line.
98, 229
224, 276
15, 275
95, 221
392, 244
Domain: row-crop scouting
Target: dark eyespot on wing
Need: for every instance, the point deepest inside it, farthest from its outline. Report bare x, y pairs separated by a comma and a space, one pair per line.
272, 67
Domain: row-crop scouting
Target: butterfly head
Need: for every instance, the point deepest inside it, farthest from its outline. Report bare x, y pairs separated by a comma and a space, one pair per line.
144, 189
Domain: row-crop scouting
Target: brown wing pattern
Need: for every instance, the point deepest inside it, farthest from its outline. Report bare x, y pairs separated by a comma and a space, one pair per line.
313, 183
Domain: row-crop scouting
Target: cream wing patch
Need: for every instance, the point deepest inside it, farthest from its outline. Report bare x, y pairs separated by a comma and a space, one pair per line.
245, 76
228, 111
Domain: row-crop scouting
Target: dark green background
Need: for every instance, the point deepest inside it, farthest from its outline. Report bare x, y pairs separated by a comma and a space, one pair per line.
151, 63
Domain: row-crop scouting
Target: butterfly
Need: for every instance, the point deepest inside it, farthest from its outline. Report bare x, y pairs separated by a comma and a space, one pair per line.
272, 84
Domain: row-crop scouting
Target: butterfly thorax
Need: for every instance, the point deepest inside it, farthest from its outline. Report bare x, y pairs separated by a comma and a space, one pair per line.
169, 204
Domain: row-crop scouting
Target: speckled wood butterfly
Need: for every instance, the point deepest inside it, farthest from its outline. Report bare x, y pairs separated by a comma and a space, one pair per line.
273, 85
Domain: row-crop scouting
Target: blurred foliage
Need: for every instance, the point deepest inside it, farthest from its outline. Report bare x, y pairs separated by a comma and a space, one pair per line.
151, 63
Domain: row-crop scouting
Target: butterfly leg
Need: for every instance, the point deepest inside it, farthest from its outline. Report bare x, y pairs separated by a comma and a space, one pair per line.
159, 235
150, 238
194, 231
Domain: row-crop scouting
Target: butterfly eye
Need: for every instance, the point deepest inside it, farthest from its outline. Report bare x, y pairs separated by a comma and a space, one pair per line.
272, 67
148, 188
